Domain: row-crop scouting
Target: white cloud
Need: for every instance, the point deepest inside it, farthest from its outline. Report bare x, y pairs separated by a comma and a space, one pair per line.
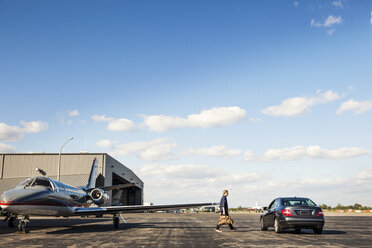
6, 148
332, 20
74, 113
355, 106
34, 126
155, 150
178, 171
300, 105
121, 124
215, 151
328, 23
295, 3
330, 31
338, 4
194, 183
158, 152
10, 133
189, 182
104, 143
365, 176
316, 24
220, 117
313, 152
14, 133
100, 118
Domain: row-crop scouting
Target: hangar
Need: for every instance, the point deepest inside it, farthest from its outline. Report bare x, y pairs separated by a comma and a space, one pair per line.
74, 170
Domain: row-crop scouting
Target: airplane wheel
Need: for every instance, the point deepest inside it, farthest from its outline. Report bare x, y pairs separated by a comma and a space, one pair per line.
23, 227
12, 221
116, 222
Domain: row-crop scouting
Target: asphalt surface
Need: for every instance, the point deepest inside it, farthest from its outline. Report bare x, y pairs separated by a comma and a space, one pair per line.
183, 230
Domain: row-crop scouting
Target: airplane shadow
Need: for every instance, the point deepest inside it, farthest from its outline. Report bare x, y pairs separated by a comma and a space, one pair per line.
40, 224
98, 228
109, 228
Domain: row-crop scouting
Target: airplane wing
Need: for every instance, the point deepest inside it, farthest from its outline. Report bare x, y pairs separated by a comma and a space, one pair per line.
135, 208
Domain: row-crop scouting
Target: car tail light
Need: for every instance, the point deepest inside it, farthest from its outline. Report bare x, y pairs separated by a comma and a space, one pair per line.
286, 212
320, 213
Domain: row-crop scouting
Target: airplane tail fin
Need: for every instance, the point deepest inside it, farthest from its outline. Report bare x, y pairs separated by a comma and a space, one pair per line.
92, 175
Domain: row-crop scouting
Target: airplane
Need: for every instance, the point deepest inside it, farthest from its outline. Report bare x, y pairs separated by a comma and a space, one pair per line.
257, 208
42, 196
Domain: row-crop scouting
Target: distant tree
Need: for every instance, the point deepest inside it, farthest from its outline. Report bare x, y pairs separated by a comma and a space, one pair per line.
323, 206
339, 206
357, 206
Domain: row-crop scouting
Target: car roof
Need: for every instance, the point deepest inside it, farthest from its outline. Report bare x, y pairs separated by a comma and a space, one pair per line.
292, 198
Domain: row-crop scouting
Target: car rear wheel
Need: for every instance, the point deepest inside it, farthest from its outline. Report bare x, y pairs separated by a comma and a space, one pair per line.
263, 227
278, 228
318, 230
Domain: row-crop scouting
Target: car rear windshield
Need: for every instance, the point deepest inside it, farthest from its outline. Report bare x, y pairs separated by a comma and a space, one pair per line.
298, 202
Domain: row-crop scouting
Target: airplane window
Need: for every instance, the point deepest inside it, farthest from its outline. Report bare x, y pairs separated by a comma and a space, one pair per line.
26, 182
42, 182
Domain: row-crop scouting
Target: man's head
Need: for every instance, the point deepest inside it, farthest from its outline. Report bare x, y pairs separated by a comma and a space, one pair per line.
225, 192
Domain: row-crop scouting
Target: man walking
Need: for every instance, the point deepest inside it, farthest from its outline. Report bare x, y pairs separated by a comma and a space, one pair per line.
224, 213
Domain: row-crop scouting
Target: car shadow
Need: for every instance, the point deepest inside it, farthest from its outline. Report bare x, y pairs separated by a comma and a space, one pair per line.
310, 232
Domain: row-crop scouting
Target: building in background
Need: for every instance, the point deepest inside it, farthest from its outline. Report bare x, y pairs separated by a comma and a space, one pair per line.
74, 170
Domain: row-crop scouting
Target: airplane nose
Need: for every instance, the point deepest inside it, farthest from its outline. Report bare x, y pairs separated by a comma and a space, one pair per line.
4, 197
2, 200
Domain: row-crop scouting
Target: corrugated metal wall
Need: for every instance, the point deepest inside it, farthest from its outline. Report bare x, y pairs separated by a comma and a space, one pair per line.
24, 165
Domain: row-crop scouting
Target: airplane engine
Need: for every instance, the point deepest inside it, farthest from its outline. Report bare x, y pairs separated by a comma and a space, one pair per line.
98, 196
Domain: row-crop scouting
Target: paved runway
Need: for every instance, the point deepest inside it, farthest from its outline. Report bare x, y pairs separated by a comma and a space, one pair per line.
183, 230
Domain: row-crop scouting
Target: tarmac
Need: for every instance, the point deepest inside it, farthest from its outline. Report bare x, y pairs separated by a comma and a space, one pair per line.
183, 230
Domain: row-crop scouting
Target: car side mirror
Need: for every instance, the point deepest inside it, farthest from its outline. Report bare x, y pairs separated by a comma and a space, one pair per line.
264, 208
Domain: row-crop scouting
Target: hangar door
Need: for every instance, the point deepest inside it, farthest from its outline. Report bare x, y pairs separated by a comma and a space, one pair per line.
126, 196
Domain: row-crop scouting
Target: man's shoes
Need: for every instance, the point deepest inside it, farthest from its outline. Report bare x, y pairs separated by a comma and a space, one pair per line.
233, 230
218, 230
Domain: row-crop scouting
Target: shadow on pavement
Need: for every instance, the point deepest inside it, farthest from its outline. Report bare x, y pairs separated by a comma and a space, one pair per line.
310, 232
40, 224
98, 228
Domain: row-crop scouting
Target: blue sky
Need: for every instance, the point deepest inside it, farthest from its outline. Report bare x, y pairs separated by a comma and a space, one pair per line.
264, 98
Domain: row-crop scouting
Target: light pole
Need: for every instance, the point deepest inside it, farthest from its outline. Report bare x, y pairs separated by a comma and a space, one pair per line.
59, 158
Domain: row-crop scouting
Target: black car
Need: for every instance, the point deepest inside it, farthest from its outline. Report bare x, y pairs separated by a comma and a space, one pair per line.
292, 212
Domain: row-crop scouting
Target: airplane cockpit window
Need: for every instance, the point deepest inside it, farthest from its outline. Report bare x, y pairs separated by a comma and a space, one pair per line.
42, 182
26, 183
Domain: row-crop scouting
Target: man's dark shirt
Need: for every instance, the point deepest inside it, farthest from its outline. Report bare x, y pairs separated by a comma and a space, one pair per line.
223, 205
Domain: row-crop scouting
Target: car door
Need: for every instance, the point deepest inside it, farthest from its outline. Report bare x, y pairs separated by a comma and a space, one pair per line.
268, 214
272, 212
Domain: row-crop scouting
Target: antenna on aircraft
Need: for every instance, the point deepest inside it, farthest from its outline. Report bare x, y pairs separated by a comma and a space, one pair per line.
42, 172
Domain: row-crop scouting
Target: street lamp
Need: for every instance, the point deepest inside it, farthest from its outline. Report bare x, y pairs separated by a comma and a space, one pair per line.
59, 159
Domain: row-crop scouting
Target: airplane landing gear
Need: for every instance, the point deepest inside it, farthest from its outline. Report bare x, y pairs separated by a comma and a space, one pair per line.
116, 221
12, 221
23, 224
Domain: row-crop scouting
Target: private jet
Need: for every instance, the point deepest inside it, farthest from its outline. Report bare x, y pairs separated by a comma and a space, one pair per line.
42, 196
